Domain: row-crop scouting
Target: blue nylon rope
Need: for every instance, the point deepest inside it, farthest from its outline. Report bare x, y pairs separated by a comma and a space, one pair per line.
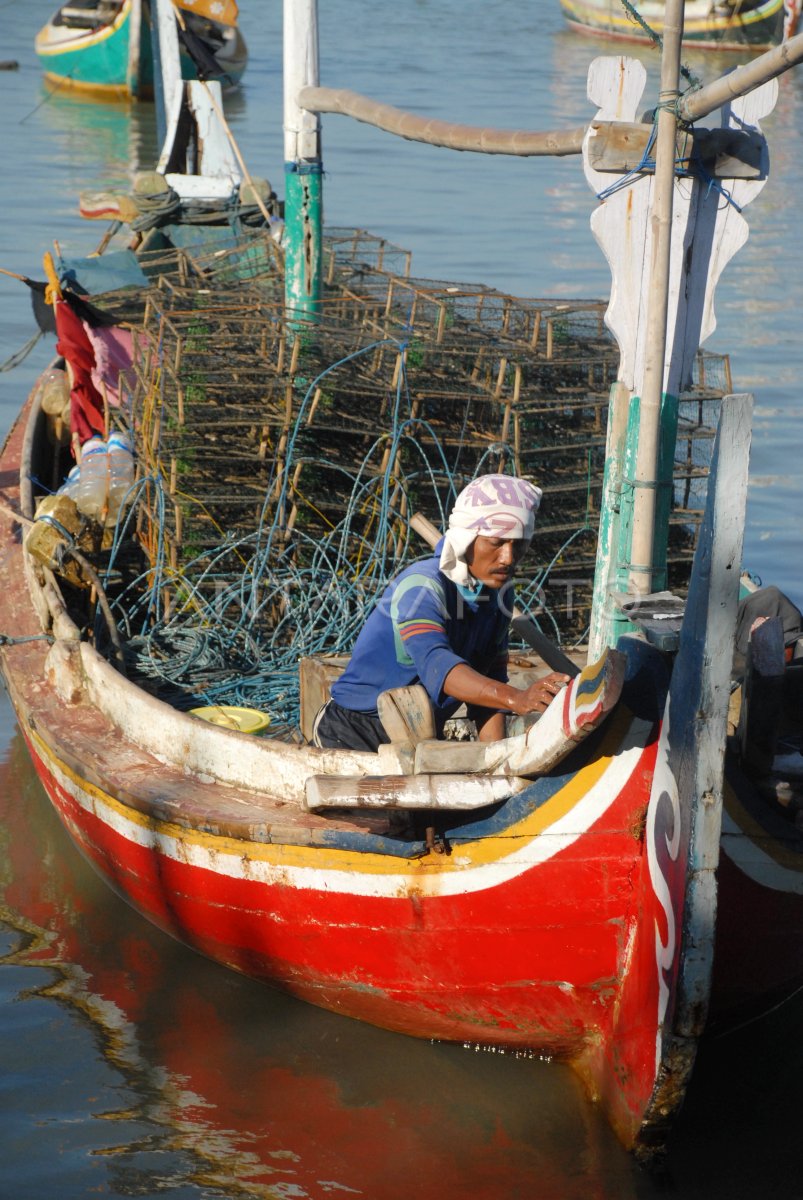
216, 644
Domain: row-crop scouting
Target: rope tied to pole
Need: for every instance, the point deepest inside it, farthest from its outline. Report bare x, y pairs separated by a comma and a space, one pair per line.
686, 167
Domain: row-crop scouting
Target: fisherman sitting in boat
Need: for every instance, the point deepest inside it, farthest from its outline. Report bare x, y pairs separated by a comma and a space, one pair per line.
440, 629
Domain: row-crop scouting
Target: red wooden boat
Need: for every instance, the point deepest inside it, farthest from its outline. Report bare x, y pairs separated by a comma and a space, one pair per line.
257, 1092
554, 892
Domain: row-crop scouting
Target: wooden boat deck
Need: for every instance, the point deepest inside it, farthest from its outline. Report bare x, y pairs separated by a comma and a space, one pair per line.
92, 747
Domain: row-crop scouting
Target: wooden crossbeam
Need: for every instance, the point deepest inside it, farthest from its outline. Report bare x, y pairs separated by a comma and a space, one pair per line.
619, 146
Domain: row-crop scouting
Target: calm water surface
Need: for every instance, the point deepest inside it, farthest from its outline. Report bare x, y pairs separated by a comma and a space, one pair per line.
130, 1067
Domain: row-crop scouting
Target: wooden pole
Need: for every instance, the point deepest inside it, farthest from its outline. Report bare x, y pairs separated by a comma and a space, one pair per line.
741, 81
647, 455
303, 167
434, 132
527, 142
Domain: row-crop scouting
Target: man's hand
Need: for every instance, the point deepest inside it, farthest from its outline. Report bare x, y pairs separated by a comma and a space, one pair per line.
539, 695
464, 683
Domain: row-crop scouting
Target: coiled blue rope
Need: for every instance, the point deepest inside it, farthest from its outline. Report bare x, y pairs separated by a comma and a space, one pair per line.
237, 638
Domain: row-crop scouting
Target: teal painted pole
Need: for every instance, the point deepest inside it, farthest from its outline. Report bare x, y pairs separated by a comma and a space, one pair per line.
599, 634
303, 203
615, 567
303, 239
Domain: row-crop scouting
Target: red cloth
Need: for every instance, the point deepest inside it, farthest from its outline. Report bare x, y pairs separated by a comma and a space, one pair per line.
86, 402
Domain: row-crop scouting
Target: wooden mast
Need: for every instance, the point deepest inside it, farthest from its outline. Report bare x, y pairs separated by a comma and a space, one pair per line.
705, 214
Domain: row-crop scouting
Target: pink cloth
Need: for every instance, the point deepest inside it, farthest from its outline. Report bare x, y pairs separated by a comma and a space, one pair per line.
113, 349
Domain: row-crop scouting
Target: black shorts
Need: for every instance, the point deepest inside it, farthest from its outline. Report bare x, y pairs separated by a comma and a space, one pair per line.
338, 728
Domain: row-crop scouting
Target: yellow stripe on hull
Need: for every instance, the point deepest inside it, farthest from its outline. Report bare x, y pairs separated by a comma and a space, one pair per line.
625, 741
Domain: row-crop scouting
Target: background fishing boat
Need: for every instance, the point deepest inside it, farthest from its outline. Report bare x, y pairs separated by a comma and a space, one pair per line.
104, 46
733, 25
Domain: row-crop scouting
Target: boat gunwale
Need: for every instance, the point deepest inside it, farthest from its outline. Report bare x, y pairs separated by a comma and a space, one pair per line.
80, 679
77, 39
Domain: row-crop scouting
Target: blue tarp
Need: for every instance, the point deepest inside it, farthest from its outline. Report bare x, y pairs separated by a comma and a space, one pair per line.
105, 273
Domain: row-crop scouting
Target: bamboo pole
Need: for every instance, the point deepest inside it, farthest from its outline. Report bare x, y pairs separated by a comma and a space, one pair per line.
646, 473
528, 142
751, 75
236, 149
485, 140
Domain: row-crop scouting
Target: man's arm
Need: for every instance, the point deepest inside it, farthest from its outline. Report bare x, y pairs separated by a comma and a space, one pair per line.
464, 683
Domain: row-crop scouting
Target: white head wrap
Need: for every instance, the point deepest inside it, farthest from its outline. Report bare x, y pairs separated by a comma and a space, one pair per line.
497, 506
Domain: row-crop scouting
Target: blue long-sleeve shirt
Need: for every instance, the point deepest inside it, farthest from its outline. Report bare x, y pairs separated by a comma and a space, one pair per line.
422, 627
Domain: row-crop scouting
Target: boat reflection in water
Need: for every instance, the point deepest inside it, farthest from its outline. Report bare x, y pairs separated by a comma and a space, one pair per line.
103, 144
247, 1090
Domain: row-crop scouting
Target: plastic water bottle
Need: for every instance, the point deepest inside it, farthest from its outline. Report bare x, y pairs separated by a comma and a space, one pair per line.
55, 392
70, 485
92, 492
121, 472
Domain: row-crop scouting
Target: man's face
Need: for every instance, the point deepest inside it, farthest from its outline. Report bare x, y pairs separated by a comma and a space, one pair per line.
493, 560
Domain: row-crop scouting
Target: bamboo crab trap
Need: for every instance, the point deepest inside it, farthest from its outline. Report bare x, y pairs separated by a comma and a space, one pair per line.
280, 464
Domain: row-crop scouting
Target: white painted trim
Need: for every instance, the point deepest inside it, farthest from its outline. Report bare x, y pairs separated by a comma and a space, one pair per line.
228, 861
205, 750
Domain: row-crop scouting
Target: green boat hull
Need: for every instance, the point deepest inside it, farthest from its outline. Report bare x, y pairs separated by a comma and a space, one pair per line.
99, 62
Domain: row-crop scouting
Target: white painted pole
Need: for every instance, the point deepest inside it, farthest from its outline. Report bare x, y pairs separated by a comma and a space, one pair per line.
134, 35
644, 502
303, 219
168, 84
301, 69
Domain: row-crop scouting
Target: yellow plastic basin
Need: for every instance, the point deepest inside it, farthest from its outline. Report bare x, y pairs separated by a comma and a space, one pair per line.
242, 720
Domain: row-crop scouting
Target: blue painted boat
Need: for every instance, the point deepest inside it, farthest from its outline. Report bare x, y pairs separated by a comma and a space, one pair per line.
104, 47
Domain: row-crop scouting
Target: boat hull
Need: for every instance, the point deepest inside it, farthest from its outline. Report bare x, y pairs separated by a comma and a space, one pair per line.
760, 916
515, 929
86, 60
540, 923
513, 943
750, 26
99, 61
